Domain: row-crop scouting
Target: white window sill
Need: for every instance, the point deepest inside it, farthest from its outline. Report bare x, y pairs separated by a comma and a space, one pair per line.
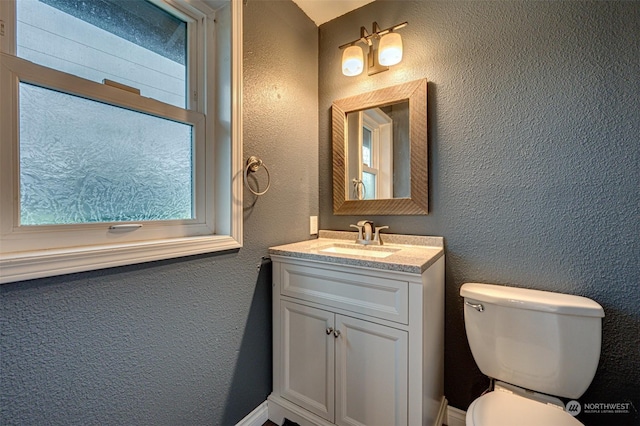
48, 263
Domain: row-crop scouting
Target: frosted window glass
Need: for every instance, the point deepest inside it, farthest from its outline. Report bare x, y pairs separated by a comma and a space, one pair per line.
369, 180
84, 161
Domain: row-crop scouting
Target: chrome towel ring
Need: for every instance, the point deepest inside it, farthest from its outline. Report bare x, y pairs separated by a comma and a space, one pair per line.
253, 165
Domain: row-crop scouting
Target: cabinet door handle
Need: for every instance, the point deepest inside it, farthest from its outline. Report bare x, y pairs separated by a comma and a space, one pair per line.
336, 333
329, 330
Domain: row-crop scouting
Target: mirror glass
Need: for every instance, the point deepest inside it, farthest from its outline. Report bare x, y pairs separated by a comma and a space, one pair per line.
380, 152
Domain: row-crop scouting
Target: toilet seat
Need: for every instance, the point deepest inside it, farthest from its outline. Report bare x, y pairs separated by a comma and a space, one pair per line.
503, 408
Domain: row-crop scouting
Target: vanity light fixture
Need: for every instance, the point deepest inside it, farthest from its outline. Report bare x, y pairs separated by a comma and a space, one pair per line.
385, 50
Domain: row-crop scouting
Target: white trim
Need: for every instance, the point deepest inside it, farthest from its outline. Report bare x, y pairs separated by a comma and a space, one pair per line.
441, 418
280, 408
237, 142
48, 263
257, 417
455, 416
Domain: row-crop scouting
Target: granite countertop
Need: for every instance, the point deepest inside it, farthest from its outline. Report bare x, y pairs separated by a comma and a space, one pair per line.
410, 253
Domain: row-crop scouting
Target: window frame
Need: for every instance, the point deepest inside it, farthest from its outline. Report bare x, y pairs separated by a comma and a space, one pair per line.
218, 165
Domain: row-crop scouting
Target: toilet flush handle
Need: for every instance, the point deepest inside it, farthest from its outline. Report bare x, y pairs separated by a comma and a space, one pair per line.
478, 307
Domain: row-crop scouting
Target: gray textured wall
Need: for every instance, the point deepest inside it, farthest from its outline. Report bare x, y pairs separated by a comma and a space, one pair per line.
534, 153
184, 341
534, 124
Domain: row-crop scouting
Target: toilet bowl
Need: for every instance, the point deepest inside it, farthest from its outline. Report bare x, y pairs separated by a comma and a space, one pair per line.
537, 345
503, 407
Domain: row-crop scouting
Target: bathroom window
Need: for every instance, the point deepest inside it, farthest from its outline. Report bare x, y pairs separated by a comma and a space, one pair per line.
108, 154
376, 154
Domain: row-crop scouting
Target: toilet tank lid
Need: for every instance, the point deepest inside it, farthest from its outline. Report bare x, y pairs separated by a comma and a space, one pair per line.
536, 300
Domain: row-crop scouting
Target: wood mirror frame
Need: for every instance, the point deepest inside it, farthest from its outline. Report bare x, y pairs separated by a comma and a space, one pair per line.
416, 93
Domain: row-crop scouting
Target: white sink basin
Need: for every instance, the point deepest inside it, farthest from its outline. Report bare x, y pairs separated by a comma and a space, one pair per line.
353, 250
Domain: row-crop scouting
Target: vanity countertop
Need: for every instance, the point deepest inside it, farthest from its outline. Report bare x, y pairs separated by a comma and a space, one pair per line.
405, 253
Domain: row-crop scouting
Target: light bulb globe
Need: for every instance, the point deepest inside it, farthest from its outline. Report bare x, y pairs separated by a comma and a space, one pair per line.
390, 49
352, 61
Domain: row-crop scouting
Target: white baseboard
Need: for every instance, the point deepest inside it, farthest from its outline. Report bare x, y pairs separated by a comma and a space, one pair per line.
257, 417
455, 417
441, 419
280, 408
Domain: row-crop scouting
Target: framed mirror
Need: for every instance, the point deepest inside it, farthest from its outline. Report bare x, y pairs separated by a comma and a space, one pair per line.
380, 152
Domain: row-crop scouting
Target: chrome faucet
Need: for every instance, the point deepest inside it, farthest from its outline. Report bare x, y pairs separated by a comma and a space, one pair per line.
368, 233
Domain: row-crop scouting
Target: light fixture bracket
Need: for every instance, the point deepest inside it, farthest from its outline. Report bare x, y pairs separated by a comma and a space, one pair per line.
366, 37
373, 66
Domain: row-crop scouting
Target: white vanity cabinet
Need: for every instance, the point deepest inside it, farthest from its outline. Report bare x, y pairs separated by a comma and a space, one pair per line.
343, 369
356, 345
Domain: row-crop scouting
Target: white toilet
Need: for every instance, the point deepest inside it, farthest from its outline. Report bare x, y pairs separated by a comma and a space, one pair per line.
536, 345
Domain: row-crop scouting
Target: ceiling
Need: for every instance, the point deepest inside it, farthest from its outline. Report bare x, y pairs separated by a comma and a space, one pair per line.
321, 11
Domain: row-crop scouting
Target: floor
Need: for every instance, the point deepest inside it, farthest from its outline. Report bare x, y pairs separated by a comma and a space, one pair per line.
286, 423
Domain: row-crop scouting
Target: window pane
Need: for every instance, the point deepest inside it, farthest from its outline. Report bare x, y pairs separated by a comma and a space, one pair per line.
132, 42
369, 180
366, 147
84, 161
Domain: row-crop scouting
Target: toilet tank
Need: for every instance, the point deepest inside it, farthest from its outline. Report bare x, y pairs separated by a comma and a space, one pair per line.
539, 340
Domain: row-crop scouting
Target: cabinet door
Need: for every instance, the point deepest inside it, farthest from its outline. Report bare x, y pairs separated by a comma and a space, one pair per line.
371, 374
307, 368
